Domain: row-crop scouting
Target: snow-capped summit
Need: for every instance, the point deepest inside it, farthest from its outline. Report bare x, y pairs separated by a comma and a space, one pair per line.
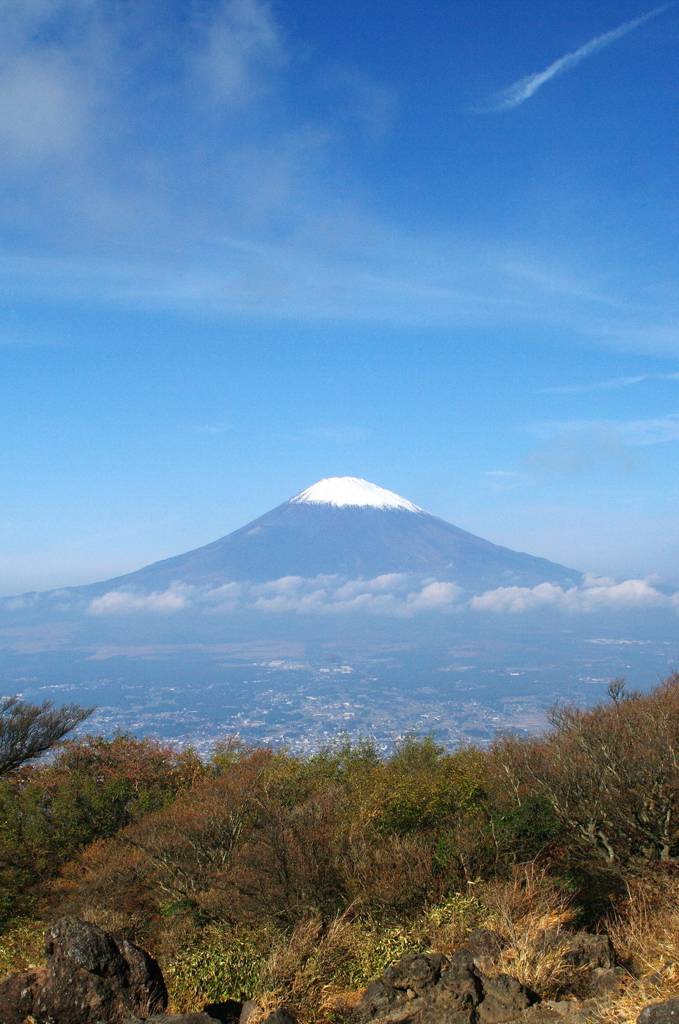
351, 490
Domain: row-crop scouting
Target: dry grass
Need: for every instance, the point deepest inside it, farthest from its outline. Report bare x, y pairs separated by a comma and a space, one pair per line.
519, 910
322, 971
645, 930
639, 993
645, 933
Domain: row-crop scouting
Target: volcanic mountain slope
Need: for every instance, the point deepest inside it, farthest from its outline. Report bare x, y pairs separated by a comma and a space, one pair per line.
346, 527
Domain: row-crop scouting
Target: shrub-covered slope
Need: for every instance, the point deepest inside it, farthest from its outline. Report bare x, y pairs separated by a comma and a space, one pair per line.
262, 873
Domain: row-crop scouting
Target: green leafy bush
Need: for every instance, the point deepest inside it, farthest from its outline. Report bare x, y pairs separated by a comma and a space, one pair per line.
215, 966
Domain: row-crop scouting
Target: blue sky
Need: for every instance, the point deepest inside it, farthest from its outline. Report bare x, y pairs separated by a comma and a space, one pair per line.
247, 245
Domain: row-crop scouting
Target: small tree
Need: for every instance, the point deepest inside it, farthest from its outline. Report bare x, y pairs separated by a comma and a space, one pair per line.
29, 730
610, 772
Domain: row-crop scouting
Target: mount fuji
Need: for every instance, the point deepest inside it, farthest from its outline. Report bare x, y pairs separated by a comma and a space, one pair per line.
348, 528
345, 609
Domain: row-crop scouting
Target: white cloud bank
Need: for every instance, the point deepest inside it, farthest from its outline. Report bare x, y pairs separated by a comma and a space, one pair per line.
122, 602
395, 595
522, 90
597, 596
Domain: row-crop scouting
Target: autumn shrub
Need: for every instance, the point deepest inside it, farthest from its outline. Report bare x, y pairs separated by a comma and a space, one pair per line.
296, 880
608, 774
269, 837
263, 872
91, 789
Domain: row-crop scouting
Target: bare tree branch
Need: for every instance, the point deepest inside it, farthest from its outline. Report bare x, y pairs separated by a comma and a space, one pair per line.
29, 730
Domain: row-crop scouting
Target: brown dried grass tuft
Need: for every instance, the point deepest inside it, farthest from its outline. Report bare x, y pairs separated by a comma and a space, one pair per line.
518, 909
645, 928
645, 933
526, 904
321, 970
638, 993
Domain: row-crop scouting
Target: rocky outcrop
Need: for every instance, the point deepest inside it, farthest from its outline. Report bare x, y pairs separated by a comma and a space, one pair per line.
578, 949
483, 942
89, 978
666, 1012
92, 978
591, 959
434, 989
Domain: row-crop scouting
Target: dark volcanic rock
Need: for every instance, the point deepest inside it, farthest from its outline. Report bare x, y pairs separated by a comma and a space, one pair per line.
17, 996
483, 942
228, 1012
89, 979
666, 1012
279, 1016
380, 998
591, 957
579, 949
433, 989
416, 972
606, 983
456, 996
504, 998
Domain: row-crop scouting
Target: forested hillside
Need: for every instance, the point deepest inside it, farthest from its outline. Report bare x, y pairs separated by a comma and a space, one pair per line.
299, 879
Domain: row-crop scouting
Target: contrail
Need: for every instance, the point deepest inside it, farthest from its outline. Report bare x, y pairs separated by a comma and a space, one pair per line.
522, 90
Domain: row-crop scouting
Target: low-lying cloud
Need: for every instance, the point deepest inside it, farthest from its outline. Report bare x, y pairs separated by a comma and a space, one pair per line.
398, 595
395, 594
122, 602
603, 595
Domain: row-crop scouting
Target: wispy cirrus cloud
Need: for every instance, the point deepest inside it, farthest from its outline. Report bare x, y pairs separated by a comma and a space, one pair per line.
639, 432
605, 385
244, 44
519, 92
582, 446
601, 385
245, 218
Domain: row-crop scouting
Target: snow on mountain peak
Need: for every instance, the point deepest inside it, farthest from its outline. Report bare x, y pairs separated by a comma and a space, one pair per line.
351, 490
